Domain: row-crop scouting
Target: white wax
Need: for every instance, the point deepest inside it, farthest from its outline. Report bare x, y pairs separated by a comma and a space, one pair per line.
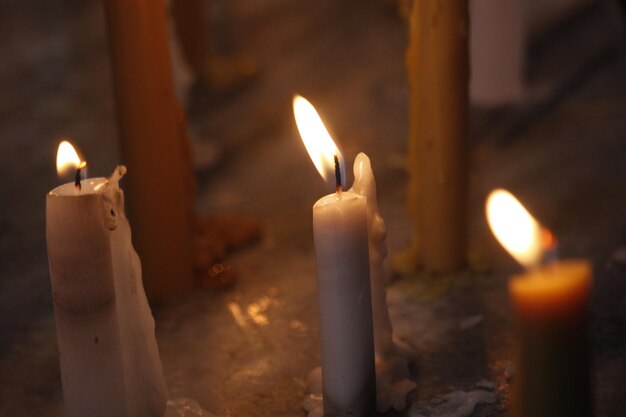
365, 185
110, 365
345, 306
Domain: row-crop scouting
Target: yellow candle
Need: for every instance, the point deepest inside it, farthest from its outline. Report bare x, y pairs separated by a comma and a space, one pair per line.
551, 302
437, 72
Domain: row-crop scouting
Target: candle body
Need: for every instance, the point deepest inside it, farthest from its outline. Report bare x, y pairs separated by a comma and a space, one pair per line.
365, 185
437, 70
153, 144
109, 358
552, 363
345, 306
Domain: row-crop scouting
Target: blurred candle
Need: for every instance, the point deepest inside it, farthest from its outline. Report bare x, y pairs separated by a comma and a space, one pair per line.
437, 72
153, 144
340, 232
109, 358
551, 302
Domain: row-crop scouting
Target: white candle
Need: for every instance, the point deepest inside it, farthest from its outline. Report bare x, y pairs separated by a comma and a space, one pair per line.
340, 232
109, 358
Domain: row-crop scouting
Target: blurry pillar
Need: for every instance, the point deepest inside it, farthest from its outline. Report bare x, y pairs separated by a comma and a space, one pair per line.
153, 143
437, 65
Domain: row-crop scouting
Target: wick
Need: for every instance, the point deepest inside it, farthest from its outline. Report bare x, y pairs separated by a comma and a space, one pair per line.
77, 175
550, 247
337, 175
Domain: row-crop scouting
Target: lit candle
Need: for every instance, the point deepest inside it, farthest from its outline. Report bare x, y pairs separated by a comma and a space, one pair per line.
109, 358
340, 232
551, 302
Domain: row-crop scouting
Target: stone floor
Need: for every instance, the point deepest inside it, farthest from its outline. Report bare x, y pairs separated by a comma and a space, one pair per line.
246, 351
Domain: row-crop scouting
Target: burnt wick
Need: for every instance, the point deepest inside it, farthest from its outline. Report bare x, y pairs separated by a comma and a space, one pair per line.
337, 175
78, 175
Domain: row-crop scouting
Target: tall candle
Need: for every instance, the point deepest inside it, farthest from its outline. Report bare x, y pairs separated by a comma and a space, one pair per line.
109, 358
340, 232
551, 302
153, 144
437, 71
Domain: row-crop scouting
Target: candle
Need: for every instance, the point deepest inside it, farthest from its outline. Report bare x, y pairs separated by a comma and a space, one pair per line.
437, 71
551, 302
109, 358
153, 144
340, 232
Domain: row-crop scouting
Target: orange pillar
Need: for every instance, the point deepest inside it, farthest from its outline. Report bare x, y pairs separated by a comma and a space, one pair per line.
153, 144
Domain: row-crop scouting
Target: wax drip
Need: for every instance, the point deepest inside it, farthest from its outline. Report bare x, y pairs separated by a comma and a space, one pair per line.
549, 246
114, 198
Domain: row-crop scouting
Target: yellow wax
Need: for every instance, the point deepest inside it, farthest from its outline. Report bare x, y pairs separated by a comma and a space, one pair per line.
552, 363
437, 59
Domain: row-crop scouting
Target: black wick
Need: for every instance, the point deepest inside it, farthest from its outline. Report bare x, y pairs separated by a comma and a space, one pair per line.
337, 174
77, 175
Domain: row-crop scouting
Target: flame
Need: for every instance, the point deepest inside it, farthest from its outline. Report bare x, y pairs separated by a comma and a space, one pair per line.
516, 229
317, 140
68, 159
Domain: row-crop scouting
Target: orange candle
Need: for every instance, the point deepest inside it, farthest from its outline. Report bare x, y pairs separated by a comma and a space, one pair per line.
153, 145
551, 302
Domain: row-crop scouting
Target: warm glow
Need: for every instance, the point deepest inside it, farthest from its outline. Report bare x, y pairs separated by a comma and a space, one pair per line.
516, 229
317, 140
67, 158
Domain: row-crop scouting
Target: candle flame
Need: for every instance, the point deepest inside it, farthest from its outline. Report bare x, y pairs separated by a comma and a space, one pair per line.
516, 229
68, 159
320, 146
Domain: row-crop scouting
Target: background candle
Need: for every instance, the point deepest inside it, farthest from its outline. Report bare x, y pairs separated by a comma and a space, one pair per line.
153, 144
552, 371
109, 358
551, 302
437, 71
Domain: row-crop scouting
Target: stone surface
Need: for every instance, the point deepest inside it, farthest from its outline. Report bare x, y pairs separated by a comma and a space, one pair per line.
246, 351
